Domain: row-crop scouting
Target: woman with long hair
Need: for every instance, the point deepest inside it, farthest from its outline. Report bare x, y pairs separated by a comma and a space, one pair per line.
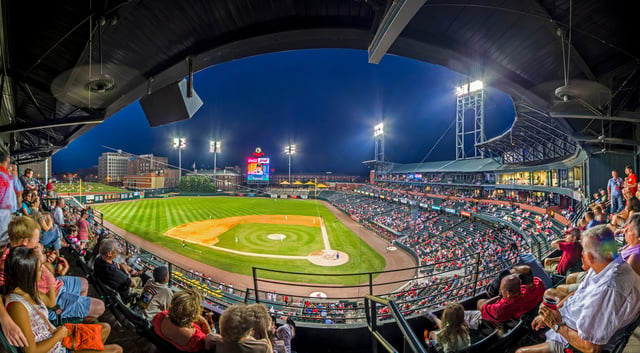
22, 271
453, 332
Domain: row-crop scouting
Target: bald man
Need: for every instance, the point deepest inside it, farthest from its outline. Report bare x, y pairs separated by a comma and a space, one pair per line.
506, 306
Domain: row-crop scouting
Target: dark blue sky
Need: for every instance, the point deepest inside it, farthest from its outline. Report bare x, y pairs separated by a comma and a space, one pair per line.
326, 101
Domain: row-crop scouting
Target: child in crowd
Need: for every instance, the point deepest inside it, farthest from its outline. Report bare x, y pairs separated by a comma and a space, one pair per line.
453, 333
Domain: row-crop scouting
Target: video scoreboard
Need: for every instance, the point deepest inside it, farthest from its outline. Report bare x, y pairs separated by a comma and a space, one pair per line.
257, 170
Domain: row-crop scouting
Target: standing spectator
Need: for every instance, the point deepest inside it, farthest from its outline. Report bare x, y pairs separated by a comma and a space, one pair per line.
49, 188
84, 231
286, 333
17, 185
27, 180
8, 200
631, 182
614, 190
156, 294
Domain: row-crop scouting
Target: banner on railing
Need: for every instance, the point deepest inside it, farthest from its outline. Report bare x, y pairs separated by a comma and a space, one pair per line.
465, 213
434, 207
450, 210
283, 196
274, 196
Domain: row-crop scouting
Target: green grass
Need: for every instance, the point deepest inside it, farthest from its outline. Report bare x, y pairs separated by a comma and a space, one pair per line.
150, 218
87, 188
253, 238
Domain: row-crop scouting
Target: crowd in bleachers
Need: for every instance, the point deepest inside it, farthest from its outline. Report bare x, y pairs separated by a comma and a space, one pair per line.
446, 244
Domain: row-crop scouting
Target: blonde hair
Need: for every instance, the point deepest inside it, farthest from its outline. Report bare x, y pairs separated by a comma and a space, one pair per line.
21, 228
185, 307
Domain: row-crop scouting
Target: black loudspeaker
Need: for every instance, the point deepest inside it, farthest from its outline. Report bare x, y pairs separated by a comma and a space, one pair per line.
170, 104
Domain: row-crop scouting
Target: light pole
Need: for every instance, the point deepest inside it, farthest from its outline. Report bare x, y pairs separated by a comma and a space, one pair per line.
179, 143
215, 147
290, 150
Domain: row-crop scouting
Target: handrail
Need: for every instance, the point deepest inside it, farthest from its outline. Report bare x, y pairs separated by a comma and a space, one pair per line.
407, 332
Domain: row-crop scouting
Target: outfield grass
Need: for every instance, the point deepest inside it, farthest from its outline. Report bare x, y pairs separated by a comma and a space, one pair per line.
150, 218
87, 187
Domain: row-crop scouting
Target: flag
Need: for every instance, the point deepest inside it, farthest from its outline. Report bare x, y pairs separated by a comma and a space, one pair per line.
194, 165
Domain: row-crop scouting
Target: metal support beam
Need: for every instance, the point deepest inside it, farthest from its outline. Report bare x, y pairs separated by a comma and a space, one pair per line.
393, 23
591, 117
36, 125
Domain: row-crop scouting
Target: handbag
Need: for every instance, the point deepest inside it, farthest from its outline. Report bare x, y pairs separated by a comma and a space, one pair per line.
83, 336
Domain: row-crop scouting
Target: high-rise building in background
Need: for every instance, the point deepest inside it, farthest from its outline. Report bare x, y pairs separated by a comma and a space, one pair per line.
112, 167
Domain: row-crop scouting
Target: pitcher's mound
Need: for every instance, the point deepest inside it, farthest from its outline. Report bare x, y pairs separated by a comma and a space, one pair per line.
276, 236
332, 258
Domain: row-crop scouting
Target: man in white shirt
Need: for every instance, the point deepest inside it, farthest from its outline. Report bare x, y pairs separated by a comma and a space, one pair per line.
605, 302
58, 213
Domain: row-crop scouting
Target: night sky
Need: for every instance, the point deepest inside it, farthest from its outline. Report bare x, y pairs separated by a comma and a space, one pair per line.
325, 101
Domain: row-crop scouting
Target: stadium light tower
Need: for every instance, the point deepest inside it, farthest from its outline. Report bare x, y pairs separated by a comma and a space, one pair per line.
179, 143
470, 96
290, 150
378, 135
215, 147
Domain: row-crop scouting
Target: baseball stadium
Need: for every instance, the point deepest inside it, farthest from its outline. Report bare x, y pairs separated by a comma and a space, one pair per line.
526, 241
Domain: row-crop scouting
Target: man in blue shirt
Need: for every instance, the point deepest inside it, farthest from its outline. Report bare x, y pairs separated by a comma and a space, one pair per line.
614, 190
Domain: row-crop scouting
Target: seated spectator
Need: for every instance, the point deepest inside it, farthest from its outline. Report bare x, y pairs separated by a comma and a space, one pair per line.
183, 324
571, 253
504, 307
243, 328
632, 205
599, 215
532, 287
68, 292
606, 302
110, 273
27, 198
631, 251
49, 233
453, 332
156, 294
59, 214
22, 270
590, 221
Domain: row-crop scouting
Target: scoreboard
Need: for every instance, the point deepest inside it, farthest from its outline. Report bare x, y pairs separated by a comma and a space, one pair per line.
257, 170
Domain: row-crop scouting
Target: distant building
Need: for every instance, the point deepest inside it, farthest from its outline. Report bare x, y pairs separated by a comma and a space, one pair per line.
144, 181
112, 167
324, 178
228, 178
146, 163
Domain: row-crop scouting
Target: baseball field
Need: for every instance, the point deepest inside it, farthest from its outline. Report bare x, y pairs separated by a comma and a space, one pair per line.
237, 233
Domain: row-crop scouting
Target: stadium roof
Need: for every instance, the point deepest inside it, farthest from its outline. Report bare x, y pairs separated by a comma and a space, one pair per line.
489, 165
99, 56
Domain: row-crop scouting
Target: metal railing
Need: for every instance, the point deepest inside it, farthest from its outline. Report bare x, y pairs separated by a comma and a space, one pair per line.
409, 338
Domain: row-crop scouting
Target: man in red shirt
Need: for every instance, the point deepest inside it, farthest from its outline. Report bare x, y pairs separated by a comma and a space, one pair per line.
506, 306
632, 181
532, 287
571, 253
